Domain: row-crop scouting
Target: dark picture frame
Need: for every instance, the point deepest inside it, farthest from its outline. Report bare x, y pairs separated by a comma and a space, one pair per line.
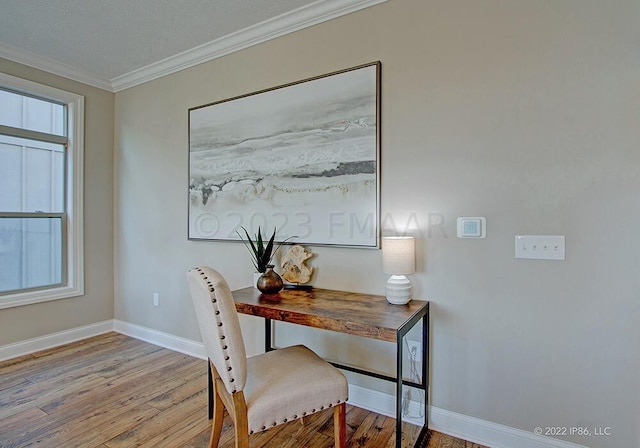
303, 158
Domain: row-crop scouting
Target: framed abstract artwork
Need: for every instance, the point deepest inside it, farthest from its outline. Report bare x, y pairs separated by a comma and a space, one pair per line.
303, 158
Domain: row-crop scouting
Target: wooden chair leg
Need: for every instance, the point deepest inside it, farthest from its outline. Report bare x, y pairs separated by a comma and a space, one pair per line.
218, 418
242, 438
340, 425
240, 420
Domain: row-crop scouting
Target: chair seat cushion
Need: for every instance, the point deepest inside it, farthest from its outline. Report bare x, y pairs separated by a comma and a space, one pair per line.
289, 383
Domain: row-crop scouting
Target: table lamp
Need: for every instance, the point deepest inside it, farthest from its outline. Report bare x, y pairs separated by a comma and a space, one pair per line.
398, 259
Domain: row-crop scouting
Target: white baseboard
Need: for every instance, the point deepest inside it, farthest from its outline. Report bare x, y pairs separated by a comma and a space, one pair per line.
458, 425
462, 426
166, 340
488, 433
53, 340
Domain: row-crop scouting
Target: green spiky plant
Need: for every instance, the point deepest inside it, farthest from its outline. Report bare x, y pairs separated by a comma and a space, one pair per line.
261, 255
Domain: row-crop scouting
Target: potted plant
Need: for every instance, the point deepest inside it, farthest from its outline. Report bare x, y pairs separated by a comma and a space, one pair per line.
261, 256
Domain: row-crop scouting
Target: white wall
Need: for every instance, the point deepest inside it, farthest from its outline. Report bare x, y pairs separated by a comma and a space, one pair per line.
523, 112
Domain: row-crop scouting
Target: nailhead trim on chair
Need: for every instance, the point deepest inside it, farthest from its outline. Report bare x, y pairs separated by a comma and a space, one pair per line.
296, 416
216, 313
226, 357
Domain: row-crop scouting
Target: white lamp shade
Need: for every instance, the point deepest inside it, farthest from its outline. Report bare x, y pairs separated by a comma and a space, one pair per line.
398, 255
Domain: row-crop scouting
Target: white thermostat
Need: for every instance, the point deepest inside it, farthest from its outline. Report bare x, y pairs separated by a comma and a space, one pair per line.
472, 227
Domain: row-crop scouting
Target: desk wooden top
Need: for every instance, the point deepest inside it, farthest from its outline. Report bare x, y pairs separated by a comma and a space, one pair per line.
365, 315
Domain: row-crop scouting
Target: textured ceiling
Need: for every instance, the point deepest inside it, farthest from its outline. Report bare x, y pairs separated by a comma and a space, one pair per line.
110, 38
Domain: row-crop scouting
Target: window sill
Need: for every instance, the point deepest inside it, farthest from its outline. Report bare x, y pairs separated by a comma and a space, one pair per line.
43, 295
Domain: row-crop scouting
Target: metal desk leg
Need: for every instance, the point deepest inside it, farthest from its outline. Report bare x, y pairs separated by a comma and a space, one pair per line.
425, 368
399, 391
267, 335
423, 437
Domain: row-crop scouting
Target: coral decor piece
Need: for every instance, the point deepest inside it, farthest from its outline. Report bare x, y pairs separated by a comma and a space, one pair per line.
293, 265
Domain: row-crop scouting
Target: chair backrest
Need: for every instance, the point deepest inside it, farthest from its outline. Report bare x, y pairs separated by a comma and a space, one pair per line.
219, 325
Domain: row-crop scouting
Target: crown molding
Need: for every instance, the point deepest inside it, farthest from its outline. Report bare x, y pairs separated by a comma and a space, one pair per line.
57, 68
306, 16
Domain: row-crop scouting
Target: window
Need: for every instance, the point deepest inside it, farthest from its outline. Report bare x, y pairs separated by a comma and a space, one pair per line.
41, 149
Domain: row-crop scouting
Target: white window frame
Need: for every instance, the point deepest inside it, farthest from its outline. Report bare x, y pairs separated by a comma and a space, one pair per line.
74, 162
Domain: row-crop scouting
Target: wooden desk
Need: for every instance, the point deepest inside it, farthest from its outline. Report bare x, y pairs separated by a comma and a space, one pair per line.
364, 315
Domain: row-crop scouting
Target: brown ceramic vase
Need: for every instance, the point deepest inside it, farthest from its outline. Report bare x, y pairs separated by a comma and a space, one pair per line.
270, 282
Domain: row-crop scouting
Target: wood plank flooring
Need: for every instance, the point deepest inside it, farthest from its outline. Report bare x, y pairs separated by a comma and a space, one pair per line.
112, 391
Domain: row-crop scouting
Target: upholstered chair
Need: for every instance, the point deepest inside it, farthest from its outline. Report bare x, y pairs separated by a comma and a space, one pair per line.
265, 390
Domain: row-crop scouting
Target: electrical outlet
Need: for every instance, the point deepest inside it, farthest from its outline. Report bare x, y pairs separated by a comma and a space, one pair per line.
414, 347
156, 299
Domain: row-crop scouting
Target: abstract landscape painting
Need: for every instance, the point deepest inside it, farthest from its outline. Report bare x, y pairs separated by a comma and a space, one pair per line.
302, 158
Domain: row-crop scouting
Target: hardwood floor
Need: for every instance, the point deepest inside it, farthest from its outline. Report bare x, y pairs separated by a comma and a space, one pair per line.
113, 391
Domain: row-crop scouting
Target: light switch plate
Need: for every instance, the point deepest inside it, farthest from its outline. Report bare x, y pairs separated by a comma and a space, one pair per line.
540, 247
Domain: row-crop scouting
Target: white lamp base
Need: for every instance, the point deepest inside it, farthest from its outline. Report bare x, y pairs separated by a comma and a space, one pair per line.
398, 290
